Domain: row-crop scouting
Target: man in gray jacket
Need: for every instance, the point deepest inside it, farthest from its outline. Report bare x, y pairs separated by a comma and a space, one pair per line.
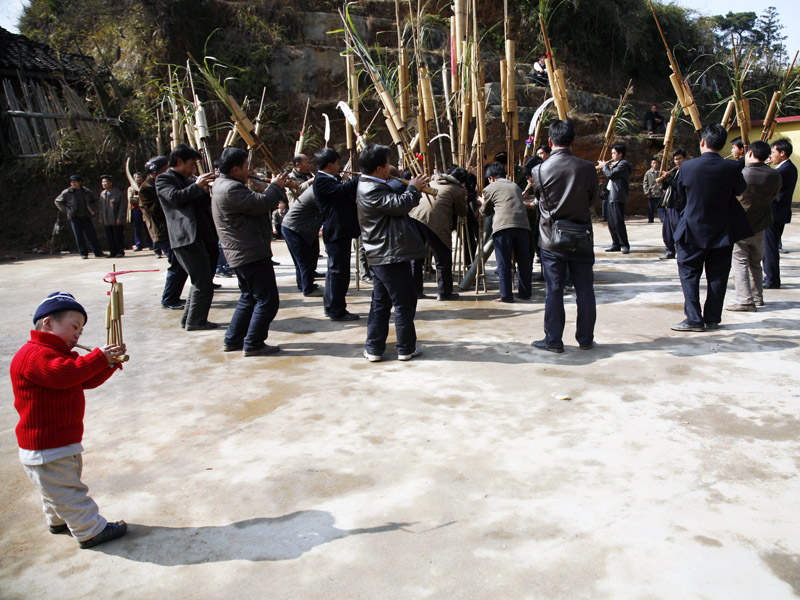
80, 205
112, 214
763, 185
241, 217
391, 242
565, 186
618, 174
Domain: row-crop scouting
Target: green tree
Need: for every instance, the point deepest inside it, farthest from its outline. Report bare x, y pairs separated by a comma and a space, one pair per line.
770, 40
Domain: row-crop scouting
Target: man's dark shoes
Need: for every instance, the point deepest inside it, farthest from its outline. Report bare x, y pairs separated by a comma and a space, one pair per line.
448, 296
667, 256
626, 250
712, 325
320, 275
588, 346
265, 351
346, 316
111, 532
101, 255
84, 256
543, 345
232, 347
686, 326
172, 305
216, 286
613, 249
202, 326
772, 286
56, 529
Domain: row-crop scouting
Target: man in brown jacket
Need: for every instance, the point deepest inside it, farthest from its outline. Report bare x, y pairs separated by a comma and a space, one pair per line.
510, 231
433, 218
112, 214
763, 185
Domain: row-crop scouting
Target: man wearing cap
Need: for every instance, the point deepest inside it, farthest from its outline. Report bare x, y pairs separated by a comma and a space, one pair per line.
80, 205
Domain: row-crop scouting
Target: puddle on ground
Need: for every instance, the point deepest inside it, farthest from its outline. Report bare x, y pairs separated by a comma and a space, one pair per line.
318, 483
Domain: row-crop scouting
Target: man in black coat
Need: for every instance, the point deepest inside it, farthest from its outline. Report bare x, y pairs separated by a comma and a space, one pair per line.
187, 208
337, 201
781, 212
712, 221
618, 174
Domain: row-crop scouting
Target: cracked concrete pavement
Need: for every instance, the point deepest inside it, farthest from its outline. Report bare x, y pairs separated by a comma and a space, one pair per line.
671, 471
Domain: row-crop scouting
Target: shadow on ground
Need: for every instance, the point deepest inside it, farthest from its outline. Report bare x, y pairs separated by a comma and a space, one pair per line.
260, 539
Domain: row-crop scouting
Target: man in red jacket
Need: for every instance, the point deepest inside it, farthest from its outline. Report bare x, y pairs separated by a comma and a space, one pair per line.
48, 380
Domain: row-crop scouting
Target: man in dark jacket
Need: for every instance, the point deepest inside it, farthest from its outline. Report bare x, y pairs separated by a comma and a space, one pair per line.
710, 224
187, 209
153, 216
112, 214
337, 201
391, 242
673, 205
242, 218
618, 174
781, 212
80, 205
565, 187
763, 184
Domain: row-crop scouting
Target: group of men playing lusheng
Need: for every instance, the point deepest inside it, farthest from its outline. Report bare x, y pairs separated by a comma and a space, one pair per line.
720, 210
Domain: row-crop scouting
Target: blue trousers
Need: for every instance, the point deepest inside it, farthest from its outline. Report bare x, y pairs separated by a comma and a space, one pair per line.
772, 257
444, 261
392, 285
554, 268
176, 276
257, 305
691, 263
304, 255
83, 227
671, 218
337, 279
517, 241
141, 237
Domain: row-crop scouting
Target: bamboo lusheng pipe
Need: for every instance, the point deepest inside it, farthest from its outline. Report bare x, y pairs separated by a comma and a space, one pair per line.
683, 92
609, 137
669, 135
663, 177
774, 107
555, 78
727, 120
425, 190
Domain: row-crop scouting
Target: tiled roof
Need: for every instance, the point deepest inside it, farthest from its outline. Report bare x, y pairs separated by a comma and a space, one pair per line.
17, 51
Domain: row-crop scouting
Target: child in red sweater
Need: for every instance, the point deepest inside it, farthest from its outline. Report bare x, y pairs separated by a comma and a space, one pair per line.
48, 381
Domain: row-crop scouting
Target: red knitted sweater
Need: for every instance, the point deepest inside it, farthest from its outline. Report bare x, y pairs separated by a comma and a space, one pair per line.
48, 382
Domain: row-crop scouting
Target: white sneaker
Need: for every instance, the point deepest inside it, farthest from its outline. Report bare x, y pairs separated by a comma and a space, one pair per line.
414, 354
373, 357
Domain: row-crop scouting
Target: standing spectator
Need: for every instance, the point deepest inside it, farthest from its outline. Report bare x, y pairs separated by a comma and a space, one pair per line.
391, 243
112, 213
763, 185
653, 191
187, 208
153, 215
654, 122
711, 223
433, 218
510, 231
543, 151
565, 186
617, 173
277, 218
781, 212
80, 205
337, 201
242, 220
737, 151
141, 237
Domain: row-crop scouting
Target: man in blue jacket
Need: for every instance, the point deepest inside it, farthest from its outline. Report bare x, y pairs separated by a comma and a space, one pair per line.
337, 201
710, 224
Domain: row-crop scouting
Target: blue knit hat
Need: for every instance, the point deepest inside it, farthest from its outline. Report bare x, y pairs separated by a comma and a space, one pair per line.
58, 301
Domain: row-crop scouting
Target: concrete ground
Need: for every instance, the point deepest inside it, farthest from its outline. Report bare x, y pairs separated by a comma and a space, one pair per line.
659, 465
